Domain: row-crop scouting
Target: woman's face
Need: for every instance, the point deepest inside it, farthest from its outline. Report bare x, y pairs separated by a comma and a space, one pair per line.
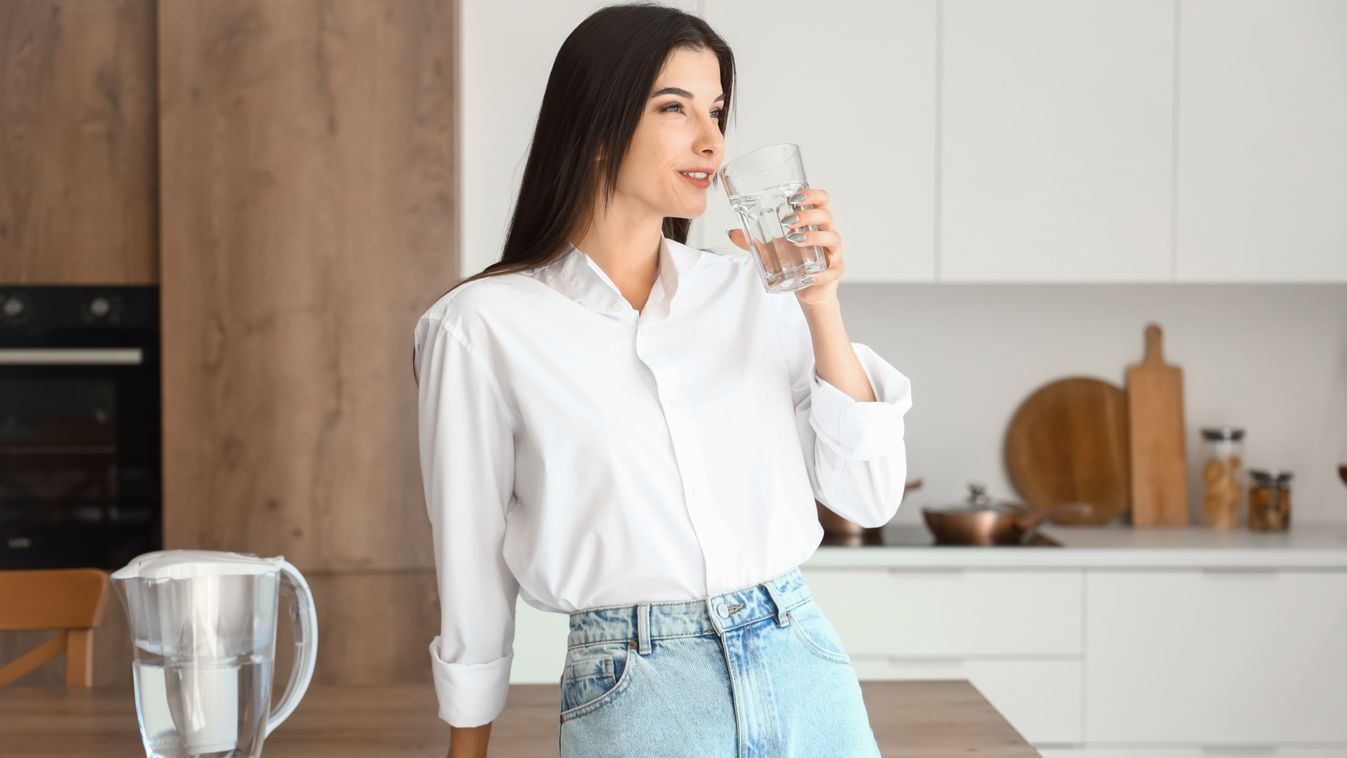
678, 132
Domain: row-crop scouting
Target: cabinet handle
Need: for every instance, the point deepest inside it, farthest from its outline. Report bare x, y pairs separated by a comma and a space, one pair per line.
86, 356
941, 659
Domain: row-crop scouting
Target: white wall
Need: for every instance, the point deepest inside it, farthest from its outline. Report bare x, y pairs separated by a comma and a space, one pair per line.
1269, 358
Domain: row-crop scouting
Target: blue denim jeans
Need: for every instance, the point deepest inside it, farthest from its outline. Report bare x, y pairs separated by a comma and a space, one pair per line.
758, 671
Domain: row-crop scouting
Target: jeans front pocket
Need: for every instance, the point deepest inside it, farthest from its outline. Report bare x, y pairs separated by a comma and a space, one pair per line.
813, 629
594, 675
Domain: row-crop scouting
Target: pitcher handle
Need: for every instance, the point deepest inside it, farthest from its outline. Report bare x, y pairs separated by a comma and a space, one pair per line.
304, 622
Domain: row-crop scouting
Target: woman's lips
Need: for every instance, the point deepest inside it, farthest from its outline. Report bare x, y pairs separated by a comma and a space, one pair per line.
701, 183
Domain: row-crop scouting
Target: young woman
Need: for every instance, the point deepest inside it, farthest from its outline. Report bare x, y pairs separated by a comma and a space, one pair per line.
620, 427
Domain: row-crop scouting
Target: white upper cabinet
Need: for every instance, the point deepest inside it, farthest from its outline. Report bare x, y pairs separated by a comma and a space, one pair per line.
1056, 149
1262, 141
853, 84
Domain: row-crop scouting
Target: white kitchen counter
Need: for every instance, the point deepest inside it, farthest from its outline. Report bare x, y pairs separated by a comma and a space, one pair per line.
1305, 545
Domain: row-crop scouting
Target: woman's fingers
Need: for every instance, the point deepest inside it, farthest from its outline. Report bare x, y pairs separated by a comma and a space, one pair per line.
822, 237
816, 196
820, 217
738, 238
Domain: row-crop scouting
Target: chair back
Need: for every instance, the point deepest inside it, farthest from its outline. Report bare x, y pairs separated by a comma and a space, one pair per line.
70, 601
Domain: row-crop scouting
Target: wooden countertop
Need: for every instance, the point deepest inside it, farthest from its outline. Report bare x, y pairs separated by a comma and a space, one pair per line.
910, 719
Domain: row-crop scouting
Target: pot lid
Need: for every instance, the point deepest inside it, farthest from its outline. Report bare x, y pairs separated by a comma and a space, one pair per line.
978, 500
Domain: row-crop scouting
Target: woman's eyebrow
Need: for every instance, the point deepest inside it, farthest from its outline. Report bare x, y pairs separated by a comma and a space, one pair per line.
682, 92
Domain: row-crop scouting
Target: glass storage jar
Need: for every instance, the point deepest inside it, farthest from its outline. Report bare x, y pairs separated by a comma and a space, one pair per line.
1222, 476
1269, 500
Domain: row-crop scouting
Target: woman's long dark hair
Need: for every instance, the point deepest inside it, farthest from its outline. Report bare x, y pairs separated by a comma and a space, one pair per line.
599, 86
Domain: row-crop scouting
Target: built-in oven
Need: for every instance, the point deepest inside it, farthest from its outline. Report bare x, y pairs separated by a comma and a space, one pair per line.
80, 453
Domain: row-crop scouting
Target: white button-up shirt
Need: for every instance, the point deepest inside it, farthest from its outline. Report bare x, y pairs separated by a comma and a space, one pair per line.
577, 452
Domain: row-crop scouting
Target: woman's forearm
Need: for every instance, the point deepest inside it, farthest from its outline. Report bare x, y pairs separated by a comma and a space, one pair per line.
468, 741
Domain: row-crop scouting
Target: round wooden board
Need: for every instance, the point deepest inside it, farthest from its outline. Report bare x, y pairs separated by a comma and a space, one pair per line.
1067, 442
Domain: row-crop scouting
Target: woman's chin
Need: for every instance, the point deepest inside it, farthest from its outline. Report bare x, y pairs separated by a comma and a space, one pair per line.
691, 210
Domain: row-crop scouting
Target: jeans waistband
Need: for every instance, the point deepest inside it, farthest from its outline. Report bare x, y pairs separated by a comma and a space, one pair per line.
642, 622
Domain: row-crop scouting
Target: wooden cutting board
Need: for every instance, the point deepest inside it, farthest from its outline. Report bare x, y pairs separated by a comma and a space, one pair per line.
1067, 442
1156, 431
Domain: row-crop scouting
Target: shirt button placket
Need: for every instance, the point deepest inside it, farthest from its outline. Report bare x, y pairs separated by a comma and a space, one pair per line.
689, 460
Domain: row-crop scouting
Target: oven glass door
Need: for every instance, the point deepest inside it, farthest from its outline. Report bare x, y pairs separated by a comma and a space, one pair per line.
79, 456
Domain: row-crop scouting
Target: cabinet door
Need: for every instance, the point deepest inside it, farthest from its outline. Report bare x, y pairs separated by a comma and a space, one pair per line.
1216, 657
539, 645
1262, 160
1040, 697
951, 612
1056, 147
853, 84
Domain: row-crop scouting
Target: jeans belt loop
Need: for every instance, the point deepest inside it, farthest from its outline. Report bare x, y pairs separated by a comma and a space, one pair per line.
775, 594
643, 628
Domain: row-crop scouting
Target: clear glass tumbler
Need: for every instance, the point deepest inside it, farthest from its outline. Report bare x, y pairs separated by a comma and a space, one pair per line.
759, 185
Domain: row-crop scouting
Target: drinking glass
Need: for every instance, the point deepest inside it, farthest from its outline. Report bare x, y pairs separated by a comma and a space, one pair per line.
759, 185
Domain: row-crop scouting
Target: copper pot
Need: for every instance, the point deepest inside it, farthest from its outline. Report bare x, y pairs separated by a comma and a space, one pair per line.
979, 520
839, 530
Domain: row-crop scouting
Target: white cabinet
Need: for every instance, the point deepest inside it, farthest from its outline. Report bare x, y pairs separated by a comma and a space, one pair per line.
1015, 635
1040, 697
959, 612
1056, 146
1262, 170
1216, 657
853, 84
539, 644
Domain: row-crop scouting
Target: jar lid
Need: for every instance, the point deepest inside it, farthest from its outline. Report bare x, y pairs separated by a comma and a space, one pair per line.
1263, 475
1222, 433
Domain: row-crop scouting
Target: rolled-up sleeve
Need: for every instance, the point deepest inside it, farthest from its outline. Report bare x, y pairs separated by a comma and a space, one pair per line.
855, 451
466, 442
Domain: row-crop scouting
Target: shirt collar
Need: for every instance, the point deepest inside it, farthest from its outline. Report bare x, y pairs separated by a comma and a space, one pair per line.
577, 276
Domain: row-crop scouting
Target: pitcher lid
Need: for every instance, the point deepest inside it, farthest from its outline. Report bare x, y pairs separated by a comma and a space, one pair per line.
189, 564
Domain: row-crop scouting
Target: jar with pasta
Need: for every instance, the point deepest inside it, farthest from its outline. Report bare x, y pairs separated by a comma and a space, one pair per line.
1222, 476
1269, 500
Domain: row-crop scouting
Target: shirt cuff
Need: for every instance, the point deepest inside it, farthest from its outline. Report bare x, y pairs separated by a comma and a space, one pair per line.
470, 694
859, 430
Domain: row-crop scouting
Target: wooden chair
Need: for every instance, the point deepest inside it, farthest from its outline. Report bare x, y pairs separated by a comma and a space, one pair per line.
69, 600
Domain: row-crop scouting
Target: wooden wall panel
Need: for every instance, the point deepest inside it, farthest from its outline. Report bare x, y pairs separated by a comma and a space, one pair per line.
373, 628
308, 218
78, 164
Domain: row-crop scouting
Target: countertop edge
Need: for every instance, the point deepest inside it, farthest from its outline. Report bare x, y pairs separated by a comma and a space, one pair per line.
1307, 546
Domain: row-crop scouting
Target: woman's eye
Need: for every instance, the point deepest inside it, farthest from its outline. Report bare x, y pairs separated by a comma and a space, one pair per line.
716, 111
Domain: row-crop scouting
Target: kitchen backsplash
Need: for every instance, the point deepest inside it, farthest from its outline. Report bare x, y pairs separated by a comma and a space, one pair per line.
1269, 358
